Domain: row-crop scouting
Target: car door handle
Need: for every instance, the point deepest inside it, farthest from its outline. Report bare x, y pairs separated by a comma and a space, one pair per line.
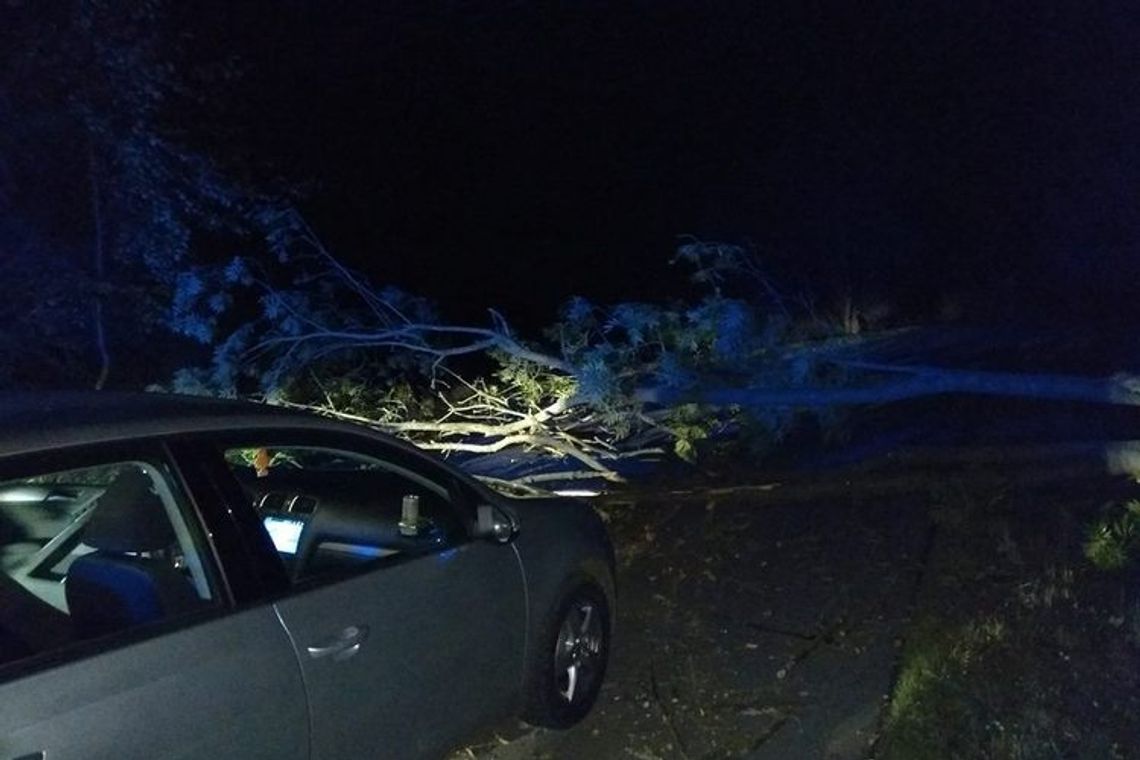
342, 646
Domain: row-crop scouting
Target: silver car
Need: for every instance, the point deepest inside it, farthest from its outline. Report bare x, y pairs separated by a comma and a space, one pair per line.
195, 578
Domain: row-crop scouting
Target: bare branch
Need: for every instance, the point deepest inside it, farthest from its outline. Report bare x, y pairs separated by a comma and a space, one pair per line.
551, 477
414, 337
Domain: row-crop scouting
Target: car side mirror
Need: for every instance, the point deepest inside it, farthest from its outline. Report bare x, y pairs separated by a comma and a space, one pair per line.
495, 524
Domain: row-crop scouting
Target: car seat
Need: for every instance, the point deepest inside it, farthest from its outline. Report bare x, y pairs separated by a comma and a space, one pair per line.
118, 586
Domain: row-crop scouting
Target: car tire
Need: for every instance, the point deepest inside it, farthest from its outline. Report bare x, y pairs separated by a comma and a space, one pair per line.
568, 663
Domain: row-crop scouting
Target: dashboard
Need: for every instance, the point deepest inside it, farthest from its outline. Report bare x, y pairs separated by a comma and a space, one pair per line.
319, 521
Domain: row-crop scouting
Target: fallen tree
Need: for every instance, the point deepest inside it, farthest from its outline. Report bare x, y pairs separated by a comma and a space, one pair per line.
604, 386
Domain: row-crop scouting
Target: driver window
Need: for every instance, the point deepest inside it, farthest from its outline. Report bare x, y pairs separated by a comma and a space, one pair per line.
90, 552
329, 510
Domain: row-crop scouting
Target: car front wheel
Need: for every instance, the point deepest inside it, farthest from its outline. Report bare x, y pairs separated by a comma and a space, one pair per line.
568, 665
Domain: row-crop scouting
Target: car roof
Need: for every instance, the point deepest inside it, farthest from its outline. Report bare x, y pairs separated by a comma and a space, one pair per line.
39, 421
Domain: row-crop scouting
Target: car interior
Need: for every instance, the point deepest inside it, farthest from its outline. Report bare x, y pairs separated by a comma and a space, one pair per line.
340, 513
92, 552
130, 577
87, 553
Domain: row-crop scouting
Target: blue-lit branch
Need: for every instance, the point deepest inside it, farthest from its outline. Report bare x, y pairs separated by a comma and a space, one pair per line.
608, 384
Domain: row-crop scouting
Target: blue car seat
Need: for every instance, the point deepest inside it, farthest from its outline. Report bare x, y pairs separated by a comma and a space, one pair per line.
122, 584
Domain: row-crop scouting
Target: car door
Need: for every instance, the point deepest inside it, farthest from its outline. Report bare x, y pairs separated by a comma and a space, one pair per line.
407, 640
94, 662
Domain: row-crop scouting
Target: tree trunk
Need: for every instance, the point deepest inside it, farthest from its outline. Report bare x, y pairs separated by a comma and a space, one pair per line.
913, 383
100, 266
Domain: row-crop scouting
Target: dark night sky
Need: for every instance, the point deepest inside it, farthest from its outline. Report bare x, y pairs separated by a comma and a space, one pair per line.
512, 154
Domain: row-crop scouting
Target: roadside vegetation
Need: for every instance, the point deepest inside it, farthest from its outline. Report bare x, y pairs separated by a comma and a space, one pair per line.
1025, 641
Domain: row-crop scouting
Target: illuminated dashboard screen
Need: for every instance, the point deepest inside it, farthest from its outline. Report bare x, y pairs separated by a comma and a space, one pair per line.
284, 532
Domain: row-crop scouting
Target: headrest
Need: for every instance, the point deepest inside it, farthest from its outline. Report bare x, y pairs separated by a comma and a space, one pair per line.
129, 517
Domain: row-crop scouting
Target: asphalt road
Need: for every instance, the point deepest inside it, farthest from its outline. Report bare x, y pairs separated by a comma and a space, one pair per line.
758, 624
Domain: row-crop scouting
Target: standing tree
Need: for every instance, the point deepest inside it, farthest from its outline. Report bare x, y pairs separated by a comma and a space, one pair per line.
102, 195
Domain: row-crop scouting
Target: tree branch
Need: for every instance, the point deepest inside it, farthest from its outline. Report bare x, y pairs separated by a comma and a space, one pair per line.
920, 381
99, 259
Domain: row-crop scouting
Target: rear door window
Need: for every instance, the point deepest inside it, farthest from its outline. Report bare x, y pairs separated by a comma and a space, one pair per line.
90, 552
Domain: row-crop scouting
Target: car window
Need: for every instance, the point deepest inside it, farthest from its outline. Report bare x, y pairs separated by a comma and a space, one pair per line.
329, 510
87, 553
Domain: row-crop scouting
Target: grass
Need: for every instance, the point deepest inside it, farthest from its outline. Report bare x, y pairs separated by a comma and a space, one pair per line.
963, 693
1020, 647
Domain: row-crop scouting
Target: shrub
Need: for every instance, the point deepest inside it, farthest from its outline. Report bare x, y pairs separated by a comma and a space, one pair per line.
1112, 539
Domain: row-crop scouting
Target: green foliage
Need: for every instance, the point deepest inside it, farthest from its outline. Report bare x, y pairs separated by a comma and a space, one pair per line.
532, 384
1112, 540
715, 332
303, 328
950, 702
690, 424
373, 393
